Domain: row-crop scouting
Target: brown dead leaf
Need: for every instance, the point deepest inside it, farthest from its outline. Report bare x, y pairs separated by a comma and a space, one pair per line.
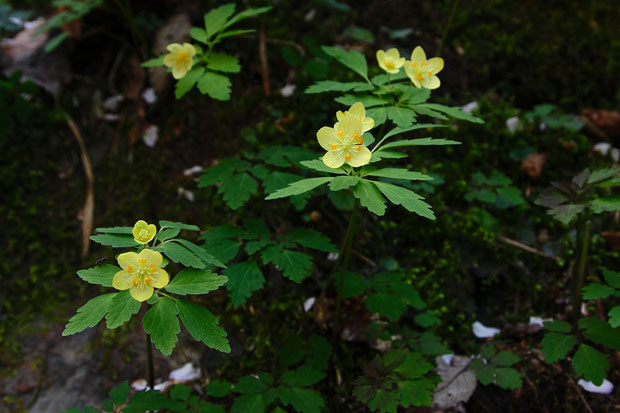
612, 238
534, 163
607, 121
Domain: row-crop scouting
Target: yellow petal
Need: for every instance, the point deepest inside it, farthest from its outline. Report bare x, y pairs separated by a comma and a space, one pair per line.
358, 110
393, 53
138, 226
189, 49
159, 278
411, 74
351, 125
435, 65
152, 229
431, 82
334, 159
399, 63
339, 115
367, 124
128, 258
122, 280
178, 71
170, 60
418, 55
381, 57
153, 258
141, 293
359, 158
174, 48
327, 137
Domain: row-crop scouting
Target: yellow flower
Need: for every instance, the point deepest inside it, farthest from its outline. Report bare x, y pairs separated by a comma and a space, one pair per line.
143, 233
358, 110
390, 61
421, 71
140, 273
344, 142
179, 58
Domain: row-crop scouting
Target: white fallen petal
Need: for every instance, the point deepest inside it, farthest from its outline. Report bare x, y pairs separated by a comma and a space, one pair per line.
332, 256
470, 107
162, 386
112, 102
186, 193
615, 154
193, 170
309, 303
512, 124
139, 384
149, 95
447, 358
110, 117
602, 147
538, 321
185, 373
606, 388
150, 136
288, 90
482, 331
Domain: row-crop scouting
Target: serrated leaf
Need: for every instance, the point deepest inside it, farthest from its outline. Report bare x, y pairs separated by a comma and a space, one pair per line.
386, 304
416, 392
488, 351
178, 253
222, 231
180, 392
277, 180
402, 117
594, 291
485, 374
203, 326
294, 265
606, 204
187, 82
484, 195
510, 195
400, 173
115, 230
306, 400
119, 393
89, 314
178, 225
566, 213
508, 378
224, 250
237, 189
334, 86
414, 366
602, 174
222, 172
198, 34
557, 326
154, 62
299, 187
102, 275
352, 59
245, 14
455, 112
167, 233
411, 201
398, 130
243, 279
193, 281
215, 85
115, 240
250, 385
427, 319
223, 63
590, 363
343, 182
612, 278
120, 309
318, 165
366, 100
381, 154
370, 197
249, 403
292, 351
600, 332
384, 401
162, 324
219, 388
302, 376
144, 401
200, 252
505, 359
216, 18
614, 316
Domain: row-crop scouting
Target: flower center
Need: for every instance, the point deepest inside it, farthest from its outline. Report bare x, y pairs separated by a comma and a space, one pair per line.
143, 274
181, 57
389, 64
143, 235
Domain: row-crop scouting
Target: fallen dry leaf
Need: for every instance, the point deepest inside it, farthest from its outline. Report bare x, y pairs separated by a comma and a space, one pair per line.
534, 163
607, 121
458, 382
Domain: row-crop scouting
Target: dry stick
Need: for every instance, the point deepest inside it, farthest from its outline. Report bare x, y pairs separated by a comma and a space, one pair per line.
89, 203
583, 399
526, 248
264, 64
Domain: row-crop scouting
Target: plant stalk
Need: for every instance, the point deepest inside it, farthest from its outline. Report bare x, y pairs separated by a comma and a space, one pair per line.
149, 358
345, 253
579, 269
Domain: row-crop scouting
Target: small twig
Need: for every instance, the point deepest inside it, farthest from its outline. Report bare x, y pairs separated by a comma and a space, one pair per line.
527, 248
364, 258
579, 392
264, 64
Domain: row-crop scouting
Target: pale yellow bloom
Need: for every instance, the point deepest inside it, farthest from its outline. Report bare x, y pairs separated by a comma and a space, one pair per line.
359, 111
140, 273
390, 61
421, 71
344, 143
179, 58
143, 233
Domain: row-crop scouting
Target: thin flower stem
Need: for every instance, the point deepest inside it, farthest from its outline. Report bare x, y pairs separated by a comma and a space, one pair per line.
149, 359
579, 269
345, 253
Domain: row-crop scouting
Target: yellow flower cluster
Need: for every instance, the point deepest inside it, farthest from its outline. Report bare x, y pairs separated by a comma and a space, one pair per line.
421, 71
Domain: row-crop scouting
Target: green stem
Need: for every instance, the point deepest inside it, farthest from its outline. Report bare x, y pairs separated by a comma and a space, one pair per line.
149, 358
345, 253
579, 269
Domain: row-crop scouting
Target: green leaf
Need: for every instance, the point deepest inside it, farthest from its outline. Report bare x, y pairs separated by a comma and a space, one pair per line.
277, 180
203, 326
590, 363
223, 63
485, 374
399, 173
484, 195
352, 59
292, 350
178, 225
566, 213
155, 62
224, 250
354, 284
249, 403
319, 352
416, 392
488, 351
102, 275
600, 332
119, 393
505, 359
216, 18
343, 182
612, 278
402, 117
215, 85
366, 100
115, 240
299, 187
381, 154
302, 376
237, 189
379, 114
55, 41
398, 130
222, 231
411, 201
294, 265
427, 319
115, 230
310, 238
243, 279
187, 82
508, 378
306, 400
120, 309
178, 253
420, 142
180, 392
557, 326
167, 233
455, 112
318, 165
333, 86
89, 314
151, 401
192, 281
198, 34
230, 33
200, 252
162, 324
606, 204
510, 195
219, 388
614, 315
222, 172
386, 305
385, 401
594, 291
245, 14
602, 174
370, 197
414, 366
